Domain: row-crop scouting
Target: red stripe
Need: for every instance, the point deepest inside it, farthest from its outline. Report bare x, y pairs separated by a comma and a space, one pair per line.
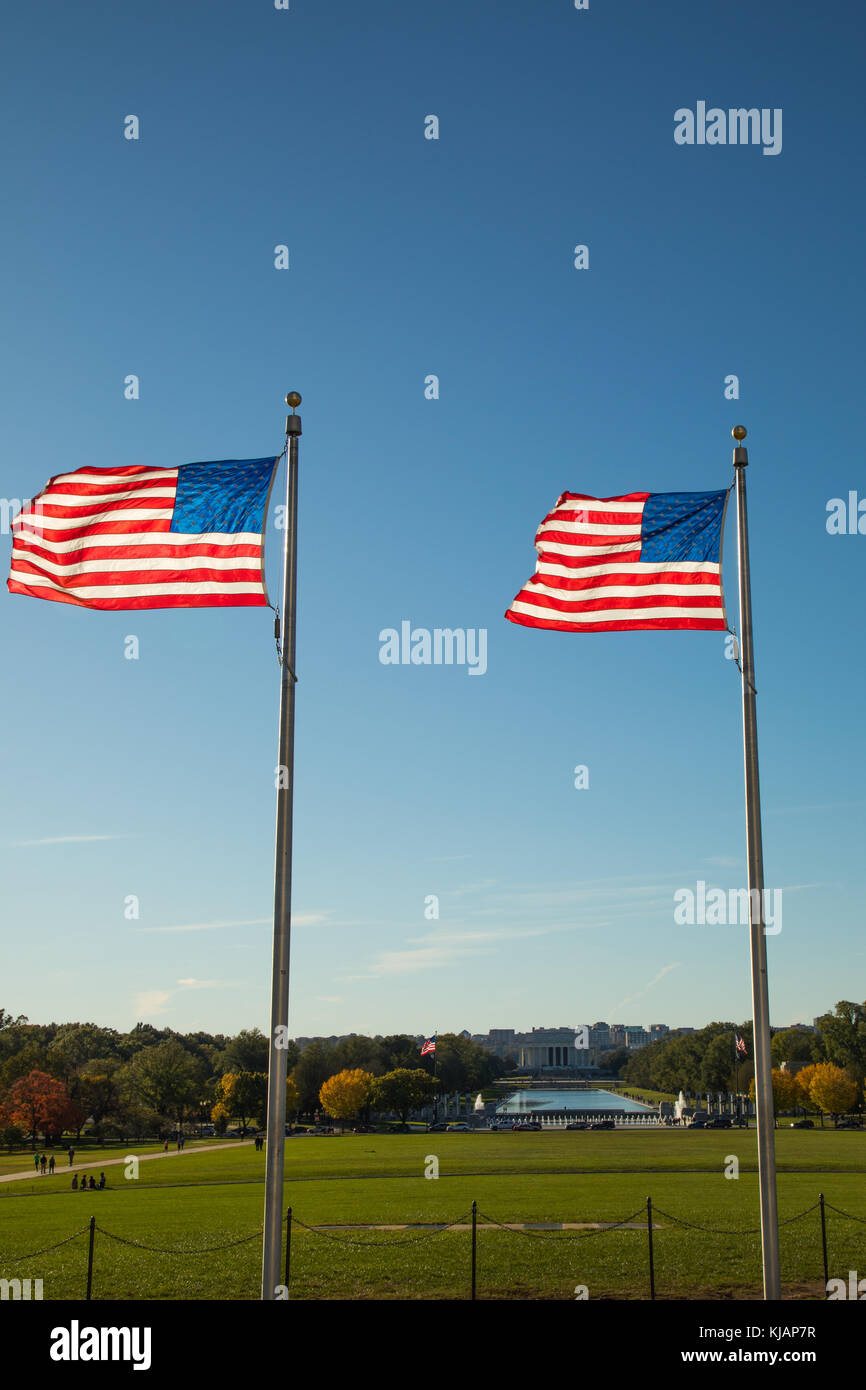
565, 605
157, 601
248, 550
238, 575
600, 581
667, 624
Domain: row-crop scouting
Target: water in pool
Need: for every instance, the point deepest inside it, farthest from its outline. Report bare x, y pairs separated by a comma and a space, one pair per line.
525, 1102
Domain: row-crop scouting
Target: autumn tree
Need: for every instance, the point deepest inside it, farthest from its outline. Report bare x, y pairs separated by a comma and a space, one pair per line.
403, 1090
345, 1094
40, 1102
785, 1091
832, 1089
240, 1095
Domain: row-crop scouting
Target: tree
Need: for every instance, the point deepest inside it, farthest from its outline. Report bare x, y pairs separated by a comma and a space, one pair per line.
843, 1035
617, 1060
7, 1021
240, 1095
314, 1066
402, 1090
164, 1078
461, 1065
792, 1045
718, 1063
40, 1102
246, 1052
832, 1089
345, 1094
785, 1091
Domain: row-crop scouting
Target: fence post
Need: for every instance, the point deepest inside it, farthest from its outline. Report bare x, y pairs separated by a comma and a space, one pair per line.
90, 1258
649, 1227
474, 1241
824, 1244
288, 1247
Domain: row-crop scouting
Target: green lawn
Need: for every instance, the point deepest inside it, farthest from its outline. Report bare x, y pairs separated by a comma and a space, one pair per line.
205, 1199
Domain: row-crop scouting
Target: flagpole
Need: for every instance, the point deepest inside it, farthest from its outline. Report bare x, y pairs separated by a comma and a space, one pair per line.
754, 848
277, 1057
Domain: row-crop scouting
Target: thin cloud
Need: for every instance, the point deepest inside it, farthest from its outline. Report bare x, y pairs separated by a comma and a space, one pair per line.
150, 1002
65, 840
665, 970
210, 926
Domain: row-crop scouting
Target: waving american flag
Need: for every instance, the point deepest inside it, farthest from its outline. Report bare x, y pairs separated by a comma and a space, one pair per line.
140, 537
615, 564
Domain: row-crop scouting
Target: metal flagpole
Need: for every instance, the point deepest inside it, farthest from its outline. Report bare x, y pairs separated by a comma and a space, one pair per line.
754, 849
277, 1057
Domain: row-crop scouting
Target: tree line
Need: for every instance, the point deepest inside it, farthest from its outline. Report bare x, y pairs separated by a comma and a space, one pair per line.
61, 1078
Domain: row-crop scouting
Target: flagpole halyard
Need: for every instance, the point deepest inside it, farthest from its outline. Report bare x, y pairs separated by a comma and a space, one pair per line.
755, 854
278, 1044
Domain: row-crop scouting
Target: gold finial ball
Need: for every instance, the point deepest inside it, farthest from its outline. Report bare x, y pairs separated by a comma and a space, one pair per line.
739, 431
293, 399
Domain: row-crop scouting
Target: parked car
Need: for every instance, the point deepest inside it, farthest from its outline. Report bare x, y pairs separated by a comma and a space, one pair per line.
802, 1124
847, 1124
458, 1128
718, 1122
603, 1124
577, 1124
439, 1128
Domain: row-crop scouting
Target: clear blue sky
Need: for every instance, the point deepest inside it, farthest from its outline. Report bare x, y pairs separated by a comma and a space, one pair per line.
409, 257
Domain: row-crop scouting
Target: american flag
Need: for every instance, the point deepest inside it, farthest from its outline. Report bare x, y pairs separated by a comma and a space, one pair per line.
139, 537
429, 1046
741, 1046
614, 564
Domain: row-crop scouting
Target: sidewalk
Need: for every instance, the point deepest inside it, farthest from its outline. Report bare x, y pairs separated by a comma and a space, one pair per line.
101, 1163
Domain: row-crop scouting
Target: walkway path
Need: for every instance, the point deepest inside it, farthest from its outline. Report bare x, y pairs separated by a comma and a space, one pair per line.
113, 1162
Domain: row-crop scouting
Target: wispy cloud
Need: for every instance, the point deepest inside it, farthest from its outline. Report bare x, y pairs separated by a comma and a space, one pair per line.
150, 1002
65, 840
299, 919
639, 994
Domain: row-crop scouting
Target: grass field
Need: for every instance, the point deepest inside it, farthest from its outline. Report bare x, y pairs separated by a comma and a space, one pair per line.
202, 1199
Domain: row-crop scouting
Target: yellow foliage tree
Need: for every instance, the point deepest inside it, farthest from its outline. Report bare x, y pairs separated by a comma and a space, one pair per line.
804, 1079
346, 1093
785, 1090
832, 1089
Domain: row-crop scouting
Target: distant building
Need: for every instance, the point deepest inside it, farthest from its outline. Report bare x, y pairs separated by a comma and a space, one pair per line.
552, 1050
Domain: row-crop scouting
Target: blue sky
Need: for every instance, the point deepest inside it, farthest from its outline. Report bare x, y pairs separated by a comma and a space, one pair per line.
453, 257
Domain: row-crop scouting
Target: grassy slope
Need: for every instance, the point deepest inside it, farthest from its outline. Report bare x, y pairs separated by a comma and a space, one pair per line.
204, 1199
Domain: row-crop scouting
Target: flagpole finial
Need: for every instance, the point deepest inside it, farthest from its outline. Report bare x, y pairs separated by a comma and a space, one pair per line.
293, 421
741, 454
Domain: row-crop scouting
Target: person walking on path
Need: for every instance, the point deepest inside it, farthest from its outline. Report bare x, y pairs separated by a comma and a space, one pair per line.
51, 1164
43, 1163
165, 1147
71, 1153
36, 1162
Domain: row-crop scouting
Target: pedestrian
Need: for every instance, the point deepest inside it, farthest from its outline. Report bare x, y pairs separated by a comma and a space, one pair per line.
51, 1164
101, 1181
71, 1152
36, 1162
74, 1182
43, 1163
165, 1147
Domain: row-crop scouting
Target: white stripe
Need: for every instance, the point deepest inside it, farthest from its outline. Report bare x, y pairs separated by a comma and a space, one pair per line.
103, 476
629, 567
578, 550
625, 591
589, 528
598, 504
606, 615
181, 539
95, 499
136, 590
63, 523
110, 565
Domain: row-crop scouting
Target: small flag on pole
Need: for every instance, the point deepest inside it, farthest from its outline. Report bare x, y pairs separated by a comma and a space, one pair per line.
741, 1046
615, 564
139, 537
429, 1046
